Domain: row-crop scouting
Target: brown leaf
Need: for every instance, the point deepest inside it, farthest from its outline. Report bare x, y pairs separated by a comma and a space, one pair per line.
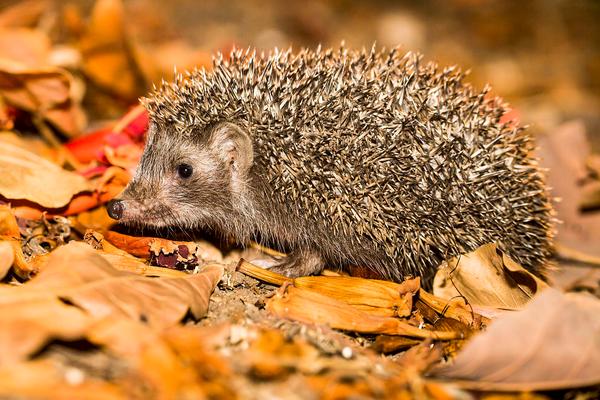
162, 370
311, 307
27, 46
486, 277
10, 236
105, 48
24, 13
51, 382
124, 261
80, 275
28, 324
185, 253
25, 175
7, 258
44, 91
564, 152
454, 308
551, 344
375, 297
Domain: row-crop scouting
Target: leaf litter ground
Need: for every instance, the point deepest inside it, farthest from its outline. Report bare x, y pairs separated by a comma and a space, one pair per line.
87, 312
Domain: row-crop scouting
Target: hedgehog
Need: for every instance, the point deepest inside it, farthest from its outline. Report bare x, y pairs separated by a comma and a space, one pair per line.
341, 158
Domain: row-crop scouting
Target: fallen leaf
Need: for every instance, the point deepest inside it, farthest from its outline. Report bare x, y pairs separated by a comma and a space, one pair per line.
163, 372
25, 13
45, 91
28, 324
28, 46
487, 277
563, 152
107, 144
124, 261
78, 274
24, 175
105, 48
454, 308
375, 297
165, 252
52, 382
392, 344
7, 258
272, 356
314, 308
10, 236
554, 343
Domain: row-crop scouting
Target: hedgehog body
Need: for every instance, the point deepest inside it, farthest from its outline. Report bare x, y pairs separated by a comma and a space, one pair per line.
367, 158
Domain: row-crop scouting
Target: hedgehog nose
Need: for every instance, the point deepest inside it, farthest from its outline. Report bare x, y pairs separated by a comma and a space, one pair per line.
115, 209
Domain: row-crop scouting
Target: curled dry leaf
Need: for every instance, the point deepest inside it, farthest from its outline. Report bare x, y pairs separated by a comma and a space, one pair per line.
124, 261
10, 236
487, 277
312, 307
164, 252
554, 343
375, 297
45, 91
383, 298
454, 308
25, 175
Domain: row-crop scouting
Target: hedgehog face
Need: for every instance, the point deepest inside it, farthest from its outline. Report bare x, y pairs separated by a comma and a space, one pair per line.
189, 180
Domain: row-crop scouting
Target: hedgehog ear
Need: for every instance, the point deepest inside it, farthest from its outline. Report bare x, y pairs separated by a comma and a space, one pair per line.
233, 145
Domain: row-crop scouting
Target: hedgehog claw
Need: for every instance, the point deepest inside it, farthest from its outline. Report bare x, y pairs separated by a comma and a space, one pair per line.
299, 263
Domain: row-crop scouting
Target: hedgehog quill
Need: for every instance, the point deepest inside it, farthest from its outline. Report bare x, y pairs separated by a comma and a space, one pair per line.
368, 158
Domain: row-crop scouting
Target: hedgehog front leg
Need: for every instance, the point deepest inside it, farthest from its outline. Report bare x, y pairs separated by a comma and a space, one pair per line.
300, 263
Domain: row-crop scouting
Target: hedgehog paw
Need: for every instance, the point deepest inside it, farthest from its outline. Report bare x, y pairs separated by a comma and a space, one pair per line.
299, 263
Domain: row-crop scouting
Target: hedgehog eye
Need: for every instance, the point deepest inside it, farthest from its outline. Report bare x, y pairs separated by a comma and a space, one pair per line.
185, 170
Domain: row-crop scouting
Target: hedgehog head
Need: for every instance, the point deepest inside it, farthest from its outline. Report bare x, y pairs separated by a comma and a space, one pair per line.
190, 180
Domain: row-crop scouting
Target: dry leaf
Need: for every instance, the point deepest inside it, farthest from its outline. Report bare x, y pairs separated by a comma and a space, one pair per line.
105, 49
455, 308
554, 343
375, 297
27, 324
124, 261
272, 356
24, 13
314, 308
27, 46
44, 379
486, 277
45, 91
25, 175
165, 252
163, 372
7, 258
383, 298
83, 277
10, 236
564, 152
